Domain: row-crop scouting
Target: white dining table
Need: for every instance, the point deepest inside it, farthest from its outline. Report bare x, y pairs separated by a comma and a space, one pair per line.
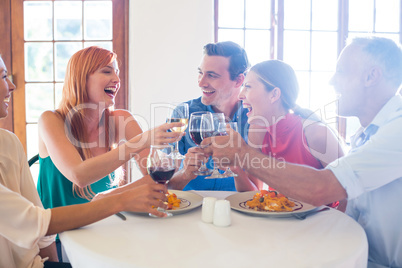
326, 239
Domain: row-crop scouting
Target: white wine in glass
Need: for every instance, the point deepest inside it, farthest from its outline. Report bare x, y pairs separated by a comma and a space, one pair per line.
179, 120
179, 114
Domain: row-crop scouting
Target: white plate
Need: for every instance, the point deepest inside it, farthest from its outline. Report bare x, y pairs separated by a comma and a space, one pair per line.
238, 202
189, 201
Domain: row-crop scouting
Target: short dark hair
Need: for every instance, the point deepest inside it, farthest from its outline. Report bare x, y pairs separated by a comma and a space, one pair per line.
238, 63
384, 52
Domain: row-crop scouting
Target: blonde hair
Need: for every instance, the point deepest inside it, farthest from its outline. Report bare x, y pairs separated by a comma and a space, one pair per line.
82, 64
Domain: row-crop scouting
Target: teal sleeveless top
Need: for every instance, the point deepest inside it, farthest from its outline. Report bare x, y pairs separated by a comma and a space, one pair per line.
55, 190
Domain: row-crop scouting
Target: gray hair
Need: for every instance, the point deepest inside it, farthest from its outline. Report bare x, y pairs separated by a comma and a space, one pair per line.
384, 52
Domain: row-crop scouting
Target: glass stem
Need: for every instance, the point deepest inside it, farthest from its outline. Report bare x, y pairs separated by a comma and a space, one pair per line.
176, 146
203, 166
215, 167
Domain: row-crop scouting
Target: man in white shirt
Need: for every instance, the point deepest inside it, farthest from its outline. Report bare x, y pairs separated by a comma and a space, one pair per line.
367, 78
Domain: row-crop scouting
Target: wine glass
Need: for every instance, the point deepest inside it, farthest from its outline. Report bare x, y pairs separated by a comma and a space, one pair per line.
229, 172
179, 114
197, 125
161, 167
219, 130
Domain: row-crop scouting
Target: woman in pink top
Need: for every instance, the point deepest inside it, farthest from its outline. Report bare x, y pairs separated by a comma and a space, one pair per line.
280, 128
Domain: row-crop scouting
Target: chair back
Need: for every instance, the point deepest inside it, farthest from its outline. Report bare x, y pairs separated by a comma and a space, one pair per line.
33, 159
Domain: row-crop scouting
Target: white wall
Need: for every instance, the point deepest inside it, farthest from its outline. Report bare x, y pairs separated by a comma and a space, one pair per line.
166, 41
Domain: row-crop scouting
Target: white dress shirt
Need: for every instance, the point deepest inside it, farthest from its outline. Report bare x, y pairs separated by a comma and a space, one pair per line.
23, 221
372, 177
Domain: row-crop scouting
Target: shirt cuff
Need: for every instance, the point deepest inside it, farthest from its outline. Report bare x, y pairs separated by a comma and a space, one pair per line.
346, 177
46, 241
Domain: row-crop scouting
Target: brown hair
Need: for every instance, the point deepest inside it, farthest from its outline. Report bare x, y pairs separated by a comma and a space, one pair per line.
238, 60
276, 73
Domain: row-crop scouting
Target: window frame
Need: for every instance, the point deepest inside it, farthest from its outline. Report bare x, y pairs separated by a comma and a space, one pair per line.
12, 49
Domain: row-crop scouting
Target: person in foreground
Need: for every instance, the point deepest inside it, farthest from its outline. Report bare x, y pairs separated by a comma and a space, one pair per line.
220, 76
79, 142
26, 228
368, 76
278, 126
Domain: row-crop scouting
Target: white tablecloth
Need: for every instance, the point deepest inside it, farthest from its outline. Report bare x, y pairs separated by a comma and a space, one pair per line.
327, 239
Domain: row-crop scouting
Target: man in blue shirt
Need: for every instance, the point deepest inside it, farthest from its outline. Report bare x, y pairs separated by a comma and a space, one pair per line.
368, 76
220, 77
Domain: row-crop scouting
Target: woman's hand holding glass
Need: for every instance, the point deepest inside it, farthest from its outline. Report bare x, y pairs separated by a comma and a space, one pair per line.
139, 198
157, 136
161, 167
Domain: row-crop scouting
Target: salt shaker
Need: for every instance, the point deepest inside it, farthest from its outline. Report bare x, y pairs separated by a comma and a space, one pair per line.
208, 207
222, 213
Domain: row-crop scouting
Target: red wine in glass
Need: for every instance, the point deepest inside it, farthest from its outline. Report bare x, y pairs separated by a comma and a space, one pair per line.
207, 134
200, 122
161, 167
161, 175
220, 134
196, 136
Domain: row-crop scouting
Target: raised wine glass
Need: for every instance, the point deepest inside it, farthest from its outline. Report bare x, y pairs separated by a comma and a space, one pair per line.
229, 172
199, 124
219, 130
179, 114
161, 167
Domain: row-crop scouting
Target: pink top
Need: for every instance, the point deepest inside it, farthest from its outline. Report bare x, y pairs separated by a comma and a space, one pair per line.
286, 141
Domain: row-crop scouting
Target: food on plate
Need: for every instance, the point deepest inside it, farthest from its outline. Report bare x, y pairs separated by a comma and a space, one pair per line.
173, 201
270, 201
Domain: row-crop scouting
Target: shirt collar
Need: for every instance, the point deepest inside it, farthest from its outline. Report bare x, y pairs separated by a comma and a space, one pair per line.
393, 105
235, 115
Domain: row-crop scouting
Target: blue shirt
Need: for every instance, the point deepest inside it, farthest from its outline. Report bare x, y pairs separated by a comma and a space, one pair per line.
200, 183
372, 177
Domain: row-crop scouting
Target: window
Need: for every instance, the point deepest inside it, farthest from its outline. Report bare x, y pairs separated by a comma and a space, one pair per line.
52, 31
307, 34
